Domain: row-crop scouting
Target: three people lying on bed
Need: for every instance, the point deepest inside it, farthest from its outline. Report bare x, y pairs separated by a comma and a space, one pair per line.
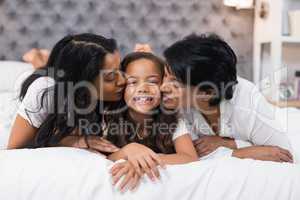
147, 112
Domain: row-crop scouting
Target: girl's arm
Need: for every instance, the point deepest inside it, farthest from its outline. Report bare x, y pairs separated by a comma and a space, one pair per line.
144, 158
185, 152
141, 157
117, 155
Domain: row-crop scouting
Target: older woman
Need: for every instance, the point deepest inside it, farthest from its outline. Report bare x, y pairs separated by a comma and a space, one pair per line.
221, 109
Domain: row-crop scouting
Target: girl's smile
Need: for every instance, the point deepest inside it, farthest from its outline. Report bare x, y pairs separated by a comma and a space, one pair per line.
142, 93
143, 100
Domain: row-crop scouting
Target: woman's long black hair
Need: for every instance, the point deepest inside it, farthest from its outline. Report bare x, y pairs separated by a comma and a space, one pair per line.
73, 59
122, 128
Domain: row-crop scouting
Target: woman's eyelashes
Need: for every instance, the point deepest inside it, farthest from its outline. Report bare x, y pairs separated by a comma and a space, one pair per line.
110, 76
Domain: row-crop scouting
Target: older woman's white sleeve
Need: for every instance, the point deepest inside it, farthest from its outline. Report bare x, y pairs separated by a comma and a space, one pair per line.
260, 123
242, 144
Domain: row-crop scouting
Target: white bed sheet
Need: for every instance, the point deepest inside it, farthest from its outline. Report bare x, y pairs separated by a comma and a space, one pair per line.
65, 173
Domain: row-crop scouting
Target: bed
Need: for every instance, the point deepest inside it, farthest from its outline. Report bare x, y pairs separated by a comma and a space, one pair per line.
68, 173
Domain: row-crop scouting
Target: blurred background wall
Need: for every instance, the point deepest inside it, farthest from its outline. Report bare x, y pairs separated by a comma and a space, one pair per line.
26, 24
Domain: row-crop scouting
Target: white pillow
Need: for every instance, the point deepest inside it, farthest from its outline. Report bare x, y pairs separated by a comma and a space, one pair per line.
12, 74
8, 110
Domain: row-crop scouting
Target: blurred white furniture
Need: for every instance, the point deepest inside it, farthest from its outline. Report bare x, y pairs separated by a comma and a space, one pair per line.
239, 4
270, 31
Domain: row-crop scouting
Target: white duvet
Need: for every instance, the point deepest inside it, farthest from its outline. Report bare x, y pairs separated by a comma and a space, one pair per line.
66, 173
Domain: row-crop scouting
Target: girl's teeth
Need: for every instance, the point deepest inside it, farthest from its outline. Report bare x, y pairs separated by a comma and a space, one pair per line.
143, 99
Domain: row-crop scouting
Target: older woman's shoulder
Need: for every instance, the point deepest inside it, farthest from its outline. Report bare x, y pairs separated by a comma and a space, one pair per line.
246, 93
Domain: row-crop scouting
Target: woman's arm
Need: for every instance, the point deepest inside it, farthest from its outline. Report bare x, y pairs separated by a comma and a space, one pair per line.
209, 143
265, 153
91, 142
185, 152
21, 133
73, 141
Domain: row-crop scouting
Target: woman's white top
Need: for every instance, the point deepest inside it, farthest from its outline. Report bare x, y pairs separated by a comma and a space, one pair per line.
247, 117
33, 107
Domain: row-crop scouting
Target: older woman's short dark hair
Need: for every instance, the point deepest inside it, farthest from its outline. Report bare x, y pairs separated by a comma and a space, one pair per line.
205, 61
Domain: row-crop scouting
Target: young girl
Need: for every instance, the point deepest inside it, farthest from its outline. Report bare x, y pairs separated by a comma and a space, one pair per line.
82, 70
146, 134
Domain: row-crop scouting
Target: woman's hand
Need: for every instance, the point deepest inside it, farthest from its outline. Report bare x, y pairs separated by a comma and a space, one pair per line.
208, 144
130, 177
265, 153
99, 144
143, 159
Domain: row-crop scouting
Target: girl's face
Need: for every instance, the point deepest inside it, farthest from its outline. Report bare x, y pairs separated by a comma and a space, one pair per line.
142, 92
110, 83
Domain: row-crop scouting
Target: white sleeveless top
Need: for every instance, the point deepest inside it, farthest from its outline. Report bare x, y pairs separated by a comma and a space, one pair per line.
33, 107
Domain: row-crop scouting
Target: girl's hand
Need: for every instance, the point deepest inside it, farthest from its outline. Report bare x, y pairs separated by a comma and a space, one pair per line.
131, 177
99, 144
143, 159
265, 153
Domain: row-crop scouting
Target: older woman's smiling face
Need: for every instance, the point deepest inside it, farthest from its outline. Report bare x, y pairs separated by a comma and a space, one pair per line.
142, 93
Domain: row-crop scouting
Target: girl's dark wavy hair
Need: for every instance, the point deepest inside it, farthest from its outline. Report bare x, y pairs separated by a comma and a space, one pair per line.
122, 129
198, 59
73, 59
